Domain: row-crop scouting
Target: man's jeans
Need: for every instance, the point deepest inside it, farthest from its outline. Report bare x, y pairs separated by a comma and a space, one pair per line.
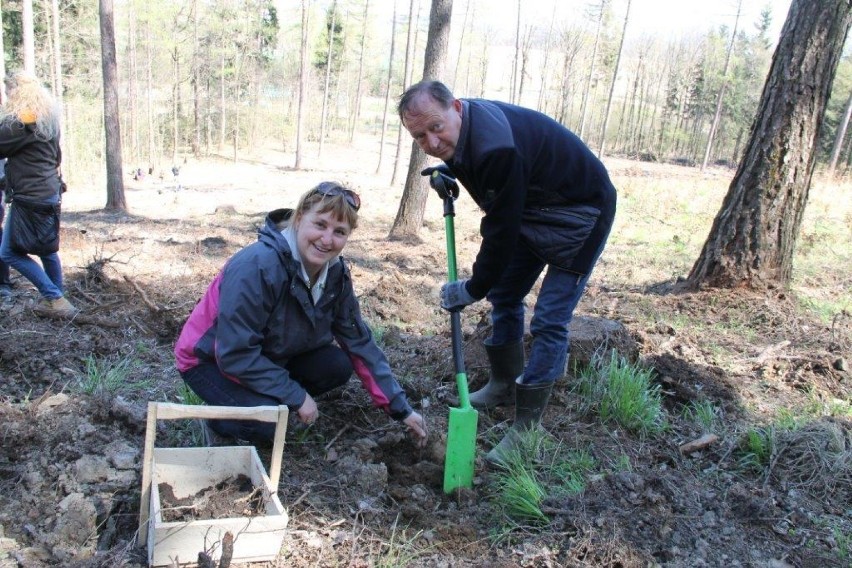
560, 293
47, 280
317, 371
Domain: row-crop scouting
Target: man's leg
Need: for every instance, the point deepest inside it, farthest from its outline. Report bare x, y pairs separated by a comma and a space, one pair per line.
505, 348
560, 293
554, 308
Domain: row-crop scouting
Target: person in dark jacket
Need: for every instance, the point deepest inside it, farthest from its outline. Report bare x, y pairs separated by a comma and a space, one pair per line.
29, 139
548, 202
280, 324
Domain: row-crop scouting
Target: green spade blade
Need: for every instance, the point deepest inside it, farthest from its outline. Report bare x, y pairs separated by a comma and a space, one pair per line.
461, 445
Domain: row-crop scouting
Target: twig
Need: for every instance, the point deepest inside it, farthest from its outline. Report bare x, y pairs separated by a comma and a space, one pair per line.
301, 498
771, 351
149, 303
336, 436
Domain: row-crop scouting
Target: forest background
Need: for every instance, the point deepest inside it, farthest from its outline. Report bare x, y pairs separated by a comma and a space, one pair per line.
209, 77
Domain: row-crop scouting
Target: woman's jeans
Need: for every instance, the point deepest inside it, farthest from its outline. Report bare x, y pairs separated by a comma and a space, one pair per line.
559, 295
47, 278
318, 371
4, 268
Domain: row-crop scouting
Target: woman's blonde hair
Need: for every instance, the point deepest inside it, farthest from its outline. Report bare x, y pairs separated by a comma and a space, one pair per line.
28, 102
334, 197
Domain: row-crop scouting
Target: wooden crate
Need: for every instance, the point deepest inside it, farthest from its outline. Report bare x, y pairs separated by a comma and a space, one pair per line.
189, 470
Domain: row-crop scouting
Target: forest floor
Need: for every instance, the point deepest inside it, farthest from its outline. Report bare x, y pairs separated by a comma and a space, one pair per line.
357, 490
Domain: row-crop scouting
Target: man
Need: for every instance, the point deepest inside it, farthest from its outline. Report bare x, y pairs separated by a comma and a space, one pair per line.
548, 201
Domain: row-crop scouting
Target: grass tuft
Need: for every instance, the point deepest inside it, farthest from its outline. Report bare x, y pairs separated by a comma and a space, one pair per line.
622, 392
109, 377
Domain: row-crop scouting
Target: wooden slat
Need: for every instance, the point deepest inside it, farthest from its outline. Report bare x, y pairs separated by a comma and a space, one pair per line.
171, 411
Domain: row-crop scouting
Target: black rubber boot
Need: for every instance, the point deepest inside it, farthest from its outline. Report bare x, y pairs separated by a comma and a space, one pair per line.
530, 402
507, 364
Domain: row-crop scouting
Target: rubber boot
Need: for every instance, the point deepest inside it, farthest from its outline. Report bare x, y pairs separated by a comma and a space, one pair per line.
530, 402
507, 363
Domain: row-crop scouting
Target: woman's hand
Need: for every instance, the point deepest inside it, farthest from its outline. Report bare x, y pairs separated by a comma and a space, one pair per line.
417, 426
308, 412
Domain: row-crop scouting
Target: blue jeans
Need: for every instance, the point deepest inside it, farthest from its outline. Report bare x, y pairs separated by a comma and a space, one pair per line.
47, 278
5, 277
560, 293
318, 371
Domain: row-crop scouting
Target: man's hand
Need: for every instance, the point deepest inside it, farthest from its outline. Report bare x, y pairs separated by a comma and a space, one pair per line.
417, 426
308, 412
454, 295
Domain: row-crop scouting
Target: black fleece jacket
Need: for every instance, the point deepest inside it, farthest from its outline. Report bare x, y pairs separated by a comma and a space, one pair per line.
537, 183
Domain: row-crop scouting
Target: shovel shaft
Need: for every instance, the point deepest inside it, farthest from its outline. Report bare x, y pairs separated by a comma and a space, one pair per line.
458, 360
455, 317
451, 247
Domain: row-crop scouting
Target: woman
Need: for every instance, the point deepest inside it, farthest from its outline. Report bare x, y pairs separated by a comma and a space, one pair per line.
29, 139
280, 324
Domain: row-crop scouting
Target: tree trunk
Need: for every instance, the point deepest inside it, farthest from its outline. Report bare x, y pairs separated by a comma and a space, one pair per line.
515, 61
175, 105
28, 36
838, 139
57, 51
133, 84
196, 80
2, 62
753, 238
356, 110
149, 95
409, 216
718, 114
303, 84
614, 78
584, 111
387, 91
461, 45
112, 128
409, 56
325, 91
545, 69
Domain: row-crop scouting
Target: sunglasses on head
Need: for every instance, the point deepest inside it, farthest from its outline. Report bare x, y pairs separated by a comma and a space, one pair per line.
329, 189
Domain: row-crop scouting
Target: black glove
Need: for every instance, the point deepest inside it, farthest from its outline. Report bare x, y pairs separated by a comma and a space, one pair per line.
443, 181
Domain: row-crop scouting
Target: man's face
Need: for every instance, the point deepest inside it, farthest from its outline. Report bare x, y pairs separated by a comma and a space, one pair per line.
435, 129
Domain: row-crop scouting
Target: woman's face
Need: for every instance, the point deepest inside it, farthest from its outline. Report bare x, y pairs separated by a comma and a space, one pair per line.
319, 238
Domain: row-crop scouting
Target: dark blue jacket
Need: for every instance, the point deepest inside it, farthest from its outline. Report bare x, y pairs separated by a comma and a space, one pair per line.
257, 314
538, 184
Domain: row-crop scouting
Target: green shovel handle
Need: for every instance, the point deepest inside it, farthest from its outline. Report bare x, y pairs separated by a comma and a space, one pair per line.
455, 316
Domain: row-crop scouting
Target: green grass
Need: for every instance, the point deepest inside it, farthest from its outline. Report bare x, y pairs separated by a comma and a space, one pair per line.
756, 448
621, 392
110, 376
401, 550
536, 469
701, 412
844, 543
186, 395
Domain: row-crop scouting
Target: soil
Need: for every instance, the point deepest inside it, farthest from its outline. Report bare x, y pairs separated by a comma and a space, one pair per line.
230, 498
357, 489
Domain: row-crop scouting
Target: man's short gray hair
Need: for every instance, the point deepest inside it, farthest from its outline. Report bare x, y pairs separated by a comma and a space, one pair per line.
435, 89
